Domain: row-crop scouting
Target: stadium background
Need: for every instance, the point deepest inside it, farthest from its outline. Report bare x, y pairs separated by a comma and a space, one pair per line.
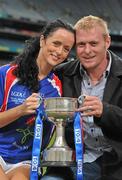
19, 20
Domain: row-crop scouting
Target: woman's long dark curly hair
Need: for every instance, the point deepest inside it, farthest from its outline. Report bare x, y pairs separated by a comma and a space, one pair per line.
27, 69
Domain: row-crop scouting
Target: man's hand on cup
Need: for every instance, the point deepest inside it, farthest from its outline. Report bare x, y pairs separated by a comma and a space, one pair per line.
91, 106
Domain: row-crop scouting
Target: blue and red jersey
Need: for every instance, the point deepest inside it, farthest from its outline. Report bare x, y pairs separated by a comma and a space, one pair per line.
16, 139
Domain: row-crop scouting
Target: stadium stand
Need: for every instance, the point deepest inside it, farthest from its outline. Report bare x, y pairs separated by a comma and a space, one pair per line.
19, 20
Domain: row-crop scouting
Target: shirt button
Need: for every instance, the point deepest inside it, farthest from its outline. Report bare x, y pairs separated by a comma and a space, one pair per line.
92, 130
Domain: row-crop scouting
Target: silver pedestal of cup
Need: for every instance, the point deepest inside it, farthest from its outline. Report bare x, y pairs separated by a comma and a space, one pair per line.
59, 109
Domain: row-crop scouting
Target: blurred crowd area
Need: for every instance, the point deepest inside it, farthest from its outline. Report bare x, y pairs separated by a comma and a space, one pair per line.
20, 20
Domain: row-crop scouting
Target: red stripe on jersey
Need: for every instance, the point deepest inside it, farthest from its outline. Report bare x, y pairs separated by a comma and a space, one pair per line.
58, 83
8, 82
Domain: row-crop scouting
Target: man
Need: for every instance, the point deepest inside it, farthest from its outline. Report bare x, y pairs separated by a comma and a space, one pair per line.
97, 74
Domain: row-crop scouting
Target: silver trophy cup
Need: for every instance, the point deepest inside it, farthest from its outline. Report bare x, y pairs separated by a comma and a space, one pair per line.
59, 110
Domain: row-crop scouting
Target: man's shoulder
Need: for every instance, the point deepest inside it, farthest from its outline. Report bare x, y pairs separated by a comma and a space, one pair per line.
68, 67
116, 64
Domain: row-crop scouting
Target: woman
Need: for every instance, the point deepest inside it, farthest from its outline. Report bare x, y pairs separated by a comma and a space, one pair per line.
21, 85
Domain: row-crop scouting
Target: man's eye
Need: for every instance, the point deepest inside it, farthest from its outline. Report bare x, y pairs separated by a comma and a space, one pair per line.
56, 43
80, 45
93, 43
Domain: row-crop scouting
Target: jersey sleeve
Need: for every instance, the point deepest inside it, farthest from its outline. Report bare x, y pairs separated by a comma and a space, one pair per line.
3, 71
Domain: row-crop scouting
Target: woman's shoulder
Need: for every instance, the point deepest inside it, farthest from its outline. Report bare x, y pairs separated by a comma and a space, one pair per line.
5, 68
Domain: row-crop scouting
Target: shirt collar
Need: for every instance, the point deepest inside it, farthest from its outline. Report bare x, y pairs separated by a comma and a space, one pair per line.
109, 63
106, 73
